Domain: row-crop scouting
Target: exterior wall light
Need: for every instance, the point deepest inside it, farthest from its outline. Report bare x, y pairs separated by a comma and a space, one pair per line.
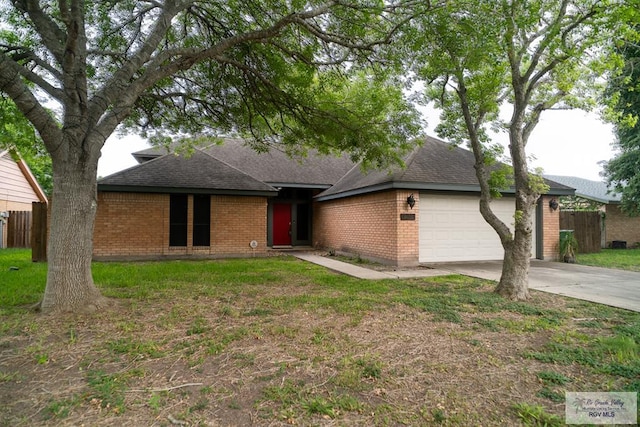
411, 201
553, 204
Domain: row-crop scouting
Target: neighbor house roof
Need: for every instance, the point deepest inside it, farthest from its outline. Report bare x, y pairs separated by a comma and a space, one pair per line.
199, 173
435, 165
592, 190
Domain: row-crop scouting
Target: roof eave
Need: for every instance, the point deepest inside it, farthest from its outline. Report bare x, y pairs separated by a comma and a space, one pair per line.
173, 190
421, 186
560, 192
297, 185
597, 199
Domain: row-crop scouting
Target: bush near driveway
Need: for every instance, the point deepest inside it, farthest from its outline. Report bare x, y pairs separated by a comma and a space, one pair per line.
279, 341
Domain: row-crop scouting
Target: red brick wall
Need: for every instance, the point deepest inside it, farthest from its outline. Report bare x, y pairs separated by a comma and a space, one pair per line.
550, 230
136, 225
369, 226
236, 221
620, 226
131, 224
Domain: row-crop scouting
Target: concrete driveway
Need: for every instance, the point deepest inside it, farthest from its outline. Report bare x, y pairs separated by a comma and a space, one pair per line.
617, 288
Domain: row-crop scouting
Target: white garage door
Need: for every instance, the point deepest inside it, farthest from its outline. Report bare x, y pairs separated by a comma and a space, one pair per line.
452, 229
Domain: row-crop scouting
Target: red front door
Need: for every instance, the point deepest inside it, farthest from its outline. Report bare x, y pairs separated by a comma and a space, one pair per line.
281, 224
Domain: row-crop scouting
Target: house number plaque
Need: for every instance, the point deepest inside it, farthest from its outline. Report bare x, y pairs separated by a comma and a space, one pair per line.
407, 217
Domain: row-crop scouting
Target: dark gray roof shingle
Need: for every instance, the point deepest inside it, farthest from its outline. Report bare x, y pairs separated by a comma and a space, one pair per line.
435, 165
278, 168
274, 167
233, 165
199, 172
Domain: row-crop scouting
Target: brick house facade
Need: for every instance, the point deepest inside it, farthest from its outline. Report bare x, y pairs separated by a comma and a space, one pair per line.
252, 203
550, 221
136, 225
369, 226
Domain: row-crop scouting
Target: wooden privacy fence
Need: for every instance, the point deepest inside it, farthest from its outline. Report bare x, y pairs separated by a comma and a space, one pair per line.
587, 228
39, 232
19, 229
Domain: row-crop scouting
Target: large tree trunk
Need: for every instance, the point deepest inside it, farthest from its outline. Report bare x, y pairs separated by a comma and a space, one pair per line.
70, 286
514, 281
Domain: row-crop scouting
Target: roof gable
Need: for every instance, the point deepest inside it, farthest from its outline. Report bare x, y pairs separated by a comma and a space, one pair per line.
277, 167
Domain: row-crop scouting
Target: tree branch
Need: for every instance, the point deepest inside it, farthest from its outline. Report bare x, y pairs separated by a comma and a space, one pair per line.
480, 166
52, 36
12, 85
30, 56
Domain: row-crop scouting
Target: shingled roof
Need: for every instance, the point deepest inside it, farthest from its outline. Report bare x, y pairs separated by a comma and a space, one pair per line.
234, 167
275, 167
589, 189
199, 173
435, 165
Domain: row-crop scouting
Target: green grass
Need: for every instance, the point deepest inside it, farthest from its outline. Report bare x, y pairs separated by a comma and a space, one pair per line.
536, 416
22, 280
623, 259
551, 377
617, 355
157, 280
107, 390
60, 408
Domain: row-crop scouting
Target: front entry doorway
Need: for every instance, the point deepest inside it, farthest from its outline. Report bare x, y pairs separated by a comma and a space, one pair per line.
282, 224
289, 217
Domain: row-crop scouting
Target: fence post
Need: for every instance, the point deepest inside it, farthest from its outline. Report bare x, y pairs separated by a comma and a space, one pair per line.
39, 232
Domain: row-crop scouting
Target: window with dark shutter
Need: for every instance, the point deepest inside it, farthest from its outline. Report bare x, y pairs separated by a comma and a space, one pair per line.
178, 217
201, 220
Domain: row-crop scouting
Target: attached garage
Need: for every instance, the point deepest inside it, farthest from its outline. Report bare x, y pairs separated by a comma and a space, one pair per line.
451, 228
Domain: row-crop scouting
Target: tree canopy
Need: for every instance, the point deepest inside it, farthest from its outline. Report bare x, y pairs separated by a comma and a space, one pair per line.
300, 74
623, 171
480, 59
272, 71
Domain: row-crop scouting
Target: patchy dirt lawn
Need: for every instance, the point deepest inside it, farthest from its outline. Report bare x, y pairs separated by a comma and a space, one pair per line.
279, 355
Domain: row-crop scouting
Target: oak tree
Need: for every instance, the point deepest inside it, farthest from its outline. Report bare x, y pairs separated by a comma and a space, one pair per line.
290, 72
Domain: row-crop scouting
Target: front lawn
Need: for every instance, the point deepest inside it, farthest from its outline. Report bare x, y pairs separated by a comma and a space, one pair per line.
277, 341
623, 259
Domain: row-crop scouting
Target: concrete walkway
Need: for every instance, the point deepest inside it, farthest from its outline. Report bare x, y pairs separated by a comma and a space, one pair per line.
617, 288
367, 273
